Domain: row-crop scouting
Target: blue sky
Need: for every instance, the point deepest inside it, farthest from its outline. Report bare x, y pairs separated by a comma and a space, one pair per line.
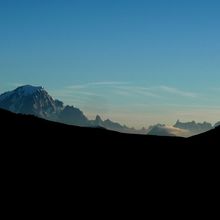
136, 61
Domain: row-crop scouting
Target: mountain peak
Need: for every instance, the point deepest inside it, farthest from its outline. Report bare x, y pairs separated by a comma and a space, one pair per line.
98, 119
30, 99
29, 89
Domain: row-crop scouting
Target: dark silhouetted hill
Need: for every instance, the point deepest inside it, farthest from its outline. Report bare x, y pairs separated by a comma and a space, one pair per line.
36, 150
29, 130
209, 138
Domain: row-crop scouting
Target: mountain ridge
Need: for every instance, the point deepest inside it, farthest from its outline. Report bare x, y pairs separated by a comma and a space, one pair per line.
35, 100
24, 128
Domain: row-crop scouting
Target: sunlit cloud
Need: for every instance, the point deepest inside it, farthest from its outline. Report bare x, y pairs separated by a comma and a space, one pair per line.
165, 130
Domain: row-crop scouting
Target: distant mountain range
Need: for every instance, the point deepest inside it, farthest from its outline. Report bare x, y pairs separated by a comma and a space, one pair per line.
25, 129
183, 129
36, 101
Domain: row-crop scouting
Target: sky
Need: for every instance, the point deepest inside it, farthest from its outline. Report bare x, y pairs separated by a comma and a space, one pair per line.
138, 62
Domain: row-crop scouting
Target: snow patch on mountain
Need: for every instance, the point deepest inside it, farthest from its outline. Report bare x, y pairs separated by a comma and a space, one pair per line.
31, 100
29, 90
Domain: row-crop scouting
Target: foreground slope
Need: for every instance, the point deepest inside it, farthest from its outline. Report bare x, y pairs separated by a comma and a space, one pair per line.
209, 138
30, 130
37, 147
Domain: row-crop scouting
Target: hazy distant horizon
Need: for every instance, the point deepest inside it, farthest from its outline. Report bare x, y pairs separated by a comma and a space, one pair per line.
137, 62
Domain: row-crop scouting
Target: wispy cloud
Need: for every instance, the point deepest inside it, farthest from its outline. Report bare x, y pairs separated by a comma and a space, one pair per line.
154, 91
129, 89
88, 93
102, 83
134, 90
109, 83
79, 93
179, 92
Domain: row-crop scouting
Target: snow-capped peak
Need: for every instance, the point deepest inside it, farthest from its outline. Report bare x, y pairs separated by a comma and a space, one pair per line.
31, 100
29, 90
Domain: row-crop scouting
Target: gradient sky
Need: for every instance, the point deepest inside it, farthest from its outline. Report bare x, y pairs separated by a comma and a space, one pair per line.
138, 62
